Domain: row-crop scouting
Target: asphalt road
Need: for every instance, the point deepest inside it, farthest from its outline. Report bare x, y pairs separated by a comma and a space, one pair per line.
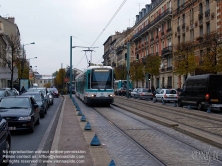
25, 146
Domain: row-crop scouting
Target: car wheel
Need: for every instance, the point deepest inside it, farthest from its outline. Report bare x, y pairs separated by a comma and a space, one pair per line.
7, 152
134, 96
220, 109
38, 121
200, 106
32, 129
42, 115
180, 103
45, 111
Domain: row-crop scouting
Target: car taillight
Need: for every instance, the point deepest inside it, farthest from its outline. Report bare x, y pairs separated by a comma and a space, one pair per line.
165, 96
207, 96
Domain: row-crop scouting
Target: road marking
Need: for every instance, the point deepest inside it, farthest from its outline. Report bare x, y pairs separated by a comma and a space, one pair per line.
42, 143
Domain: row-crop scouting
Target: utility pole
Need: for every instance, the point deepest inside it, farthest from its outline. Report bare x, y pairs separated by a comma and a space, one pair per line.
128, 68
70, 69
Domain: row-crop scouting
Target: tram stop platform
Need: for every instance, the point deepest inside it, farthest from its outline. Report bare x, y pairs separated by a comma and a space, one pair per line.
72, 143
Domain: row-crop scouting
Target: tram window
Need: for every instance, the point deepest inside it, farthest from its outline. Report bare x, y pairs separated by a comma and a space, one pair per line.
101, 79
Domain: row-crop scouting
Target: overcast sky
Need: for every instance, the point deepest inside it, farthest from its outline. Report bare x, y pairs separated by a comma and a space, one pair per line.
50, 23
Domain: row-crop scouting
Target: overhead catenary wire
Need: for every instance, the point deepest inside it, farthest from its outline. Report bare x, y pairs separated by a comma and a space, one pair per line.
105, 27
109, 21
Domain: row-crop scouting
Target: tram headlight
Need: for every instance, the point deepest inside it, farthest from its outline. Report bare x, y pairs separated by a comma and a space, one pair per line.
110, 95
93, 95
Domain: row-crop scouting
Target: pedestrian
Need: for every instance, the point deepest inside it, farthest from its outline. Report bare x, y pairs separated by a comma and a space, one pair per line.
23, 90
152, 89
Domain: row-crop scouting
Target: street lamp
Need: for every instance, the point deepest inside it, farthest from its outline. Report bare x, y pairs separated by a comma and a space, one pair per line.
23, 50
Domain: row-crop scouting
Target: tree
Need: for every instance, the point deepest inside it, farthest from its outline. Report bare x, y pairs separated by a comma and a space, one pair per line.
152, 66
120, 72
136, 72
59, 80
9, 54
212, 59
48, 85
185, 61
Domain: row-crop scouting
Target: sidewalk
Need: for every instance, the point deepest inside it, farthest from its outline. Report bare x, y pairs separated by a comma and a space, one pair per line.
71, 143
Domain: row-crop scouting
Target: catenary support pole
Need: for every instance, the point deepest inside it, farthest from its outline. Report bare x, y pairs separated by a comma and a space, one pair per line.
70, 69
128, 68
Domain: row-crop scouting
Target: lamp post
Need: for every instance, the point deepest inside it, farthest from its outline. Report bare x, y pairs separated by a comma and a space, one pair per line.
23, 50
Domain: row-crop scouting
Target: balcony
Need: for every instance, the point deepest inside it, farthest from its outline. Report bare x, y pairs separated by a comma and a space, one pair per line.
169, 30
184, 27
167, 50
178, 29
200, 16
166, 14
119, 49
207, 13
162, 33
162, 69
169, 68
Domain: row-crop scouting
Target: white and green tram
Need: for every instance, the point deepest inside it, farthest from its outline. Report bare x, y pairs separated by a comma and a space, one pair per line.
95, 85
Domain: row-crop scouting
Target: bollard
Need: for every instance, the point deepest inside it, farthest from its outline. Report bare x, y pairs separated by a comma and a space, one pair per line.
83, 119
112, 163
208, 110
154, 100
80, 113
189, 107
88, 126
78, 109
95, 141
175, 104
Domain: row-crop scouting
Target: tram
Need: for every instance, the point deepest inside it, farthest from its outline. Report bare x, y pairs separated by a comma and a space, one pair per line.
118, 84
95, 85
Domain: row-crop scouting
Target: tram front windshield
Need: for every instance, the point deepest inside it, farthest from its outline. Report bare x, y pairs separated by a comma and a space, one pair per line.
101, 79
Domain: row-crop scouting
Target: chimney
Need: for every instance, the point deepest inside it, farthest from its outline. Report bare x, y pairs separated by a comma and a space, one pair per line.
144, 11
147, 8
11, 20
137, 19
140, 16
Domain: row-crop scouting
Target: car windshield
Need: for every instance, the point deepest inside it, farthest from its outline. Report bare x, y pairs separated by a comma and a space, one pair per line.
2, 93
14, 102
145, 90
37, 97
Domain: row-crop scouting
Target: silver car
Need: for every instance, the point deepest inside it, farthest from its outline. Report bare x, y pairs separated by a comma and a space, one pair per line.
143, 93
167, 95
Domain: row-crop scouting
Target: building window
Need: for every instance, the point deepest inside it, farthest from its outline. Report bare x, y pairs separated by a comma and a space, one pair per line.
183, 18
191, 35
208, 28
169, 61
200, 8
168, 24
201, 31
178, 39
169, 82
41, 81
207, 5
191, 16
184, 38
163, 45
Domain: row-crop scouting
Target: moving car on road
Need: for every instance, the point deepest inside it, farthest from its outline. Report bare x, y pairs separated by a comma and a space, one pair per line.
21, 112
143, 93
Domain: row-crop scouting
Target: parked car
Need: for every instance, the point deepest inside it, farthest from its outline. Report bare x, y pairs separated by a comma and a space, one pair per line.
40, 100
51, 99
53, 91
143, 93
4, 93
134, 92
21, 112
121, 91
202, 91
12, 91
5, 142
167, 95
45, 93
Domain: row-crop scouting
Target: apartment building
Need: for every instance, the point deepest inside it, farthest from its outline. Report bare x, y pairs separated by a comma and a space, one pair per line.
7, 28
153, 37
193, 19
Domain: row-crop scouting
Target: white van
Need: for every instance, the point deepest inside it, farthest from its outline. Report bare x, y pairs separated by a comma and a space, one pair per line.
35, 85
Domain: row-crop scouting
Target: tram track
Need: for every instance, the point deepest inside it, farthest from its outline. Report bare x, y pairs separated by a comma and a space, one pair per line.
159, 159
132, 139
209, 125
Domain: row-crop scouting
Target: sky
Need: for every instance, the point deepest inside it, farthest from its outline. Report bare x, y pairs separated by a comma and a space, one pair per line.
50, 23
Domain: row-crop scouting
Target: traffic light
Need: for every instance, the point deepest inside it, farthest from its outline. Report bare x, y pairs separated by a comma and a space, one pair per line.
125, 56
